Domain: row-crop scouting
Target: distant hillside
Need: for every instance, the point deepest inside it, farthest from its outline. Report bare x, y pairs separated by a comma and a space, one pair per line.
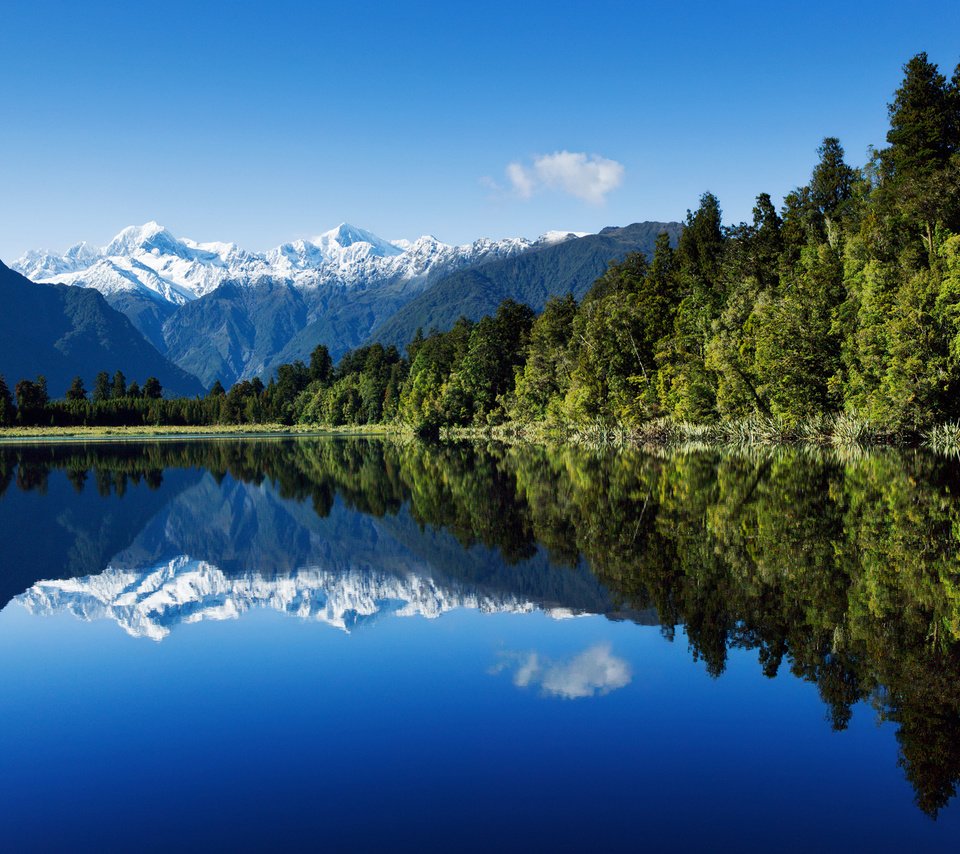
533, 277
235, 330
344, 322
61, 331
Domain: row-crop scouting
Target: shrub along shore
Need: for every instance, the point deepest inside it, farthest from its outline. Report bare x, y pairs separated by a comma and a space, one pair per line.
834, 432
837, 433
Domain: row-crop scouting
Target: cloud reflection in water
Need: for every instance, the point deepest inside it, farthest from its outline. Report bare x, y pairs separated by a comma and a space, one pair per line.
593, 672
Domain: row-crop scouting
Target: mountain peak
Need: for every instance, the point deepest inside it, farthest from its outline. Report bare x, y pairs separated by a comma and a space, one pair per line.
550, 237
346, 235
148, 236
140, 232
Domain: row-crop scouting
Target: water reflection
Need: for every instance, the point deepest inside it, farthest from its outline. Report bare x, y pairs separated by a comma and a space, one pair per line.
593, 672
150, 603
843, 570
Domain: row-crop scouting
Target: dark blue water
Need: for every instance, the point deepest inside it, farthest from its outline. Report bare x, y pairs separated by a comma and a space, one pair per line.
214, 658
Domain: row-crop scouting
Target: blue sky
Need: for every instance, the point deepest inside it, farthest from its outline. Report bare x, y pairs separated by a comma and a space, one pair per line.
260, 123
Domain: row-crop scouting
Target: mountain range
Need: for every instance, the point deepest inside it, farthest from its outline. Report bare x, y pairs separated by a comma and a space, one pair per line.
220, 312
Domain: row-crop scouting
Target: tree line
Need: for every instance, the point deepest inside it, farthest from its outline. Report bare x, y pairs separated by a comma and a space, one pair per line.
113, 402
845, 300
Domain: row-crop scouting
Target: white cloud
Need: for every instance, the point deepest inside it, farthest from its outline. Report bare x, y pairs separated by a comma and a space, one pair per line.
592, 673
586, 177
521, 180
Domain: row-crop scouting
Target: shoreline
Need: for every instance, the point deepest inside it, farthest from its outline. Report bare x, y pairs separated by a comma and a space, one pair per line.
836, 433
42, 435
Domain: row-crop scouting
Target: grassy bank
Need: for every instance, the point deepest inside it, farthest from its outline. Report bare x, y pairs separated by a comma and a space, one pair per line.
840, 432
233, 431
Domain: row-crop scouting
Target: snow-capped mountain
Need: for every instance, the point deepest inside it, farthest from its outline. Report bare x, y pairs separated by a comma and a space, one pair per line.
151, 261
146, 258
223, 313
151, 602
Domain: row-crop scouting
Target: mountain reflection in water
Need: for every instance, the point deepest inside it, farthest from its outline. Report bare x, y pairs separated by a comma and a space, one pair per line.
843, 570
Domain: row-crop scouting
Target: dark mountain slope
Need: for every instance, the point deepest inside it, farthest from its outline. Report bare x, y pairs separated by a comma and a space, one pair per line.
235, 330
146, 314
533, 277
61, 331
343, 322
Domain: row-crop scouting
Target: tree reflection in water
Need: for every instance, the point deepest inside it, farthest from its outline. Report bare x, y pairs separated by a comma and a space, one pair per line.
844, 570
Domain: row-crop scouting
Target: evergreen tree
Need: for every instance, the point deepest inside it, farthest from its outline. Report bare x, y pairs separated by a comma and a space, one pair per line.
797, 349
321, 365
101, 387
831, 185
752, 261
77, 390
291, 380
487, 371
119, 387
686, 387
700, 248
438, 356
663, 270
616, 336
415, 344
924, 136
948, 302
922, 133
32, 399
7, 410
152, 390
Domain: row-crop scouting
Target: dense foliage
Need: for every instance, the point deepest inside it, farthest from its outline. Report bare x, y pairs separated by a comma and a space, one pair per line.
846, 300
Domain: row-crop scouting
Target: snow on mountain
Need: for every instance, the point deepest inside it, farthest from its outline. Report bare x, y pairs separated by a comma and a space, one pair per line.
346, 236
552, 237
151, 602
148, 237
146, 258
150, 260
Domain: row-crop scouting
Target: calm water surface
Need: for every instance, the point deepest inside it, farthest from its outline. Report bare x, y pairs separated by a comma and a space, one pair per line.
351, 644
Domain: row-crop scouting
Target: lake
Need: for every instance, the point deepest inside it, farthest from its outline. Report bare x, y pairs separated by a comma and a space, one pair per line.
362, 644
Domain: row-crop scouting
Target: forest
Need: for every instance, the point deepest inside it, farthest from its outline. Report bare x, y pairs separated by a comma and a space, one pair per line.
845, 302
